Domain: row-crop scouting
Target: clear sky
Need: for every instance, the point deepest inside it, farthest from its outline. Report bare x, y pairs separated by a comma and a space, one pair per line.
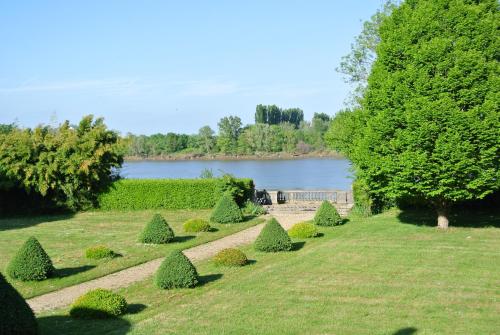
160, 66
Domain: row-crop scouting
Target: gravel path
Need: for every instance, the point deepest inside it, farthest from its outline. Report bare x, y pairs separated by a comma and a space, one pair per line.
123, 278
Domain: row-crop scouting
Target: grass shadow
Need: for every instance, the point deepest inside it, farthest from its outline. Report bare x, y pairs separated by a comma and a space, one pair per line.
457, 218
405, 331
63, 324
25, 221
203, 280
180, 239
66, 272
135, 308
344, 221
297, 245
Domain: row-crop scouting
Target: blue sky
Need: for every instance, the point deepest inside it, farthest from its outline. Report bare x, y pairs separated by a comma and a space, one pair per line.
160, 66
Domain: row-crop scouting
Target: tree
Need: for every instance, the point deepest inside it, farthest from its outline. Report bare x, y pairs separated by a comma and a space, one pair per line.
206, 137
68, 165
229, 131
429, 119
357, 64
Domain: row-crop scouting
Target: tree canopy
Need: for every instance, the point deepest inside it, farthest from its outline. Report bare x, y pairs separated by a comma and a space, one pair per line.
67, 165
428, 126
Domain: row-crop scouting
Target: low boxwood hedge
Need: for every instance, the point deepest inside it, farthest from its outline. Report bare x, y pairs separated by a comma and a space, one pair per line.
98, 304
130, 194
273, 238
327, 215
157, 231
303, 230
16, 316
176, 271
99, 252
230, 257
196, 226
226, 211
31, 262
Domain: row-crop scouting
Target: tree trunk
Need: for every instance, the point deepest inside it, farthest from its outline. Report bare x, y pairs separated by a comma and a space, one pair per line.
442, 211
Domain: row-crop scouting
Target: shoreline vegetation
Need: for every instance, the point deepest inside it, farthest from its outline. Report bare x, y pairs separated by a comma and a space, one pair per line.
235, 157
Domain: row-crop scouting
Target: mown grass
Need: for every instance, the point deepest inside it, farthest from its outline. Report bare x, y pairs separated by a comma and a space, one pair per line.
65, 239
371, 276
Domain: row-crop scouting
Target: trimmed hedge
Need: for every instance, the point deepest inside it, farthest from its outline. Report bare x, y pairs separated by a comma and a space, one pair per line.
303, 230
176, 271
31, 262
230, 257
98, 304
16, 316
99, 252
226, 211
157, 231
128, 194
327, 215
273, 238
196, 226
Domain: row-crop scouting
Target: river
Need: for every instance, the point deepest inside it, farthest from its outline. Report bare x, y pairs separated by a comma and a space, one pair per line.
299, 174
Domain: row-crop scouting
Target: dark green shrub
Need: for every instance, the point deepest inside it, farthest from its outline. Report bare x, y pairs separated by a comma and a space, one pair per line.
170, 193
99, 252
176, 271
196, 225
303, 230
31, 262
327, 215
230, 257
157, 231
239, 189
273, 238
16, 316
98, 304
226, 211
252, 208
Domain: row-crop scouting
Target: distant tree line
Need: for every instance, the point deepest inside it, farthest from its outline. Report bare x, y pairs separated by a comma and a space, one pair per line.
272, 114
275, 130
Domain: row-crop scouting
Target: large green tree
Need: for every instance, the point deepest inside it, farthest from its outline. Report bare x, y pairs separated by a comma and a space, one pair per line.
229, 131
68, 165
428, 127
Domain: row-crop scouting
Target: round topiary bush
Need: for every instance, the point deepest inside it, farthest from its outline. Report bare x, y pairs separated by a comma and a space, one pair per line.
196, 226
98, 304
230, 257
226, 211
303, 230
273, 238
157, 231
31, 262
99, 252
327, 215
176, 271
16, 316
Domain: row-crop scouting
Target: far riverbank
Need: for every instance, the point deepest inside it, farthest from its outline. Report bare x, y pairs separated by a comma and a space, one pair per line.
223, 157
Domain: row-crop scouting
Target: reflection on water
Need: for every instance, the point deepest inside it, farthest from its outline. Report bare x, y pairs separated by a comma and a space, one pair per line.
300, 174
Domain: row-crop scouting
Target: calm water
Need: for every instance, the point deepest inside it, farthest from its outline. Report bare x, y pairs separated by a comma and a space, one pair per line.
301, 174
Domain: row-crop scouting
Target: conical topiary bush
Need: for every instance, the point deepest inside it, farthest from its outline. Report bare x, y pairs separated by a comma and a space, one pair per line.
176, 271
157, 231
31, 262
226, 211
16, 317
327, 215
273, 238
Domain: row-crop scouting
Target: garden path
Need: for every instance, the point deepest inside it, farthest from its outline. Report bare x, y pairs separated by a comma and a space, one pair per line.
126, 277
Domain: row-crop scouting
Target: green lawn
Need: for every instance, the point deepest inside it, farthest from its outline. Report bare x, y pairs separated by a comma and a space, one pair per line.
65, 239
371, 276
